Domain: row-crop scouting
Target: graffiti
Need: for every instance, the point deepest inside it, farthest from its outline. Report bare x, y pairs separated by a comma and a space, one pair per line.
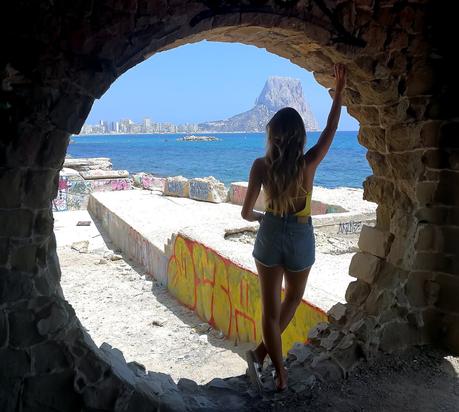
176, 187
59, 204
351, 227
228, 296
151, 182
199, 190
108, 185
73, 192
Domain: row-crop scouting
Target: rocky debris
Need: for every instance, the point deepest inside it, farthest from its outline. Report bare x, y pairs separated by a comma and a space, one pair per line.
194, 138
103, 174
81, 246
243, 236
88, 163
177, 186
207, 189
278, 92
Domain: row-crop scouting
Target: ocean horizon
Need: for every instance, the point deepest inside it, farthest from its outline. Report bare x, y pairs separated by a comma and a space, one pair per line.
228, 159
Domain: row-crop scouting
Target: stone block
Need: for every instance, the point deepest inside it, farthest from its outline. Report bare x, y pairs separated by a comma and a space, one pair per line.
398, 335
375, 241
178, 186
109, 185
237, 192
207, 189
3, 328
16, 223
378, 190
337, 313
317, 332
451, 330
436, 262
331, 340
51, 392
300, 351
23, 258
348, 356
81, 247
88, 163
448, 297
49, 357
23, 332
364, 267
11, 182
55, 320
357, 291
373, 138
327, 370
4, 250
40, 188
149, 182
104, 174
15, 363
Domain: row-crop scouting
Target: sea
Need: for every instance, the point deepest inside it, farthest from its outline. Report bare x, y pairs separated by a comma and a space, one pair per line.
228, 160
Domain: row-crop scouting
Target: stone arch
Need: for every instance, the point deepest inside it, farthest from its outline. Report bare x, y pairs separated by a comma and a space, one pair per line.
68, 54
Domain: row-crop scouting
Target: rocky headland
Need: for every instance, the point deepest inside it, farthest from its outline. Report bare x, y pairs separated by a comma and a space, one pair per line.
278, 92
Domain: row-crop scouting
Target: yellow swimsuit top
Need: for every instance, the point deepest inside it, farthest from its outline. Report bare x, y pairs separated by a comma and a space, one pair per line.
307, 207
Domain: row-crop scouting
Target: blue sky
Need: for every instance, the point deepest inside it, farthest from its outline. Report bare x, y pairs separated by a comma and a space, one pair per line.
205, 81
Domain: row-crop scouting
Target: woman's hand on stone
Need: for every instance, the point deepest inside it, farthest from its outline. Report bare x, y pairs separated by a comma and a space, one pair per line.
340, 77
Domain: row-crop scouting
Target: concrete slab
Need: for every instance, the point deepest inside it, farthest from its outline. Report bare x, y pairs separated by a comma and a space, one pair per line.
157, 218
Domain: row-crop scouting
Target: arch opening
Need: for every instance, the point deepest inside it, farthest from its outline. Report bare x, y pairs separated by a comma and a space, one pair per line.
399, 298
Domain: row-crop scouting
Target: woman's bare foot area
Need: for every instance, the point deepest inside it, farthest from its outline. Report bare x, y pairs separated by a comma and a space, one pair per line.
281, 379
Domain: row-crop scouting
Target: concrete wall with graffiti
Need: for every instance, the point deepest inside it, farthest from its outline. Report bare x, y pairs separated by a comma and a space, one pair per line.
73, 191
226, 295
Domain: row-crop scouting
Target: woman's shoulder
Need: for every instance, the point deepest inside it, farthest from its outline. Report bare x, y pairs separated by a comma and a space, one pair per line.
260, 163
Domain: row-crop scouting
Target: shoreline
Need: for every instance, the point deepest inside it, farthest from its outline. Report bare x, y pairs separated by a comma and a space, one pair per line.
185, 133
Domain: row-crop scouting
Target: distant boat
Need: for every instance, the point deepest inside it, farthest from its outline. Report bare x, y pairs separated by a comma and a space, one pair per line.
71, 141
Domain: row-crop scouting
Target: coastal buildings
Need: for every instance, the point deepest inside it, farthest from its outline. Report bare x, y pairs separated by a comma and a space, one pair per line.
128, 126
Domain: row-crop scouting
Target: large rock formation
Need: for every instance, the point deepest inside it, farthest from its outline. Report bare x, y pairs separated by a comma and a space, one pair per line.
277, 93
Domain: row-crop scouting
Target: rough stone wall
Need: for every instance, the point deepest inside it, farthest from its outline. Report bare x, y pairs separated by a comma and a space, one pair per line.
57, 57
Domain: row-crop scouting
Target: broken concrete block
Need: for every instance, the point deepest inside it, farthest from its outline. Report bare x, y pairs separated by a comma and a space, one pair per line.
337, 313
104, 174
300, 351
375, 241
81, 246
237, 192
149, 182
178, 186
91, 163
208, 189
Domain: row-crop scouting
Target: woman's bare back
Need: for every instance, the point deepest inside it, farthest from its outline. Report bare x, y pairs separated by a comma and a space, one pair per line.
308, 178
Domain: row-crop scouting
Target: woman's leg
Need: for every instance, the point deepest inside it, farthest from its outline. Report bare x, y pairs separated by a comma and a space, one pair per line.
271, 284
295, 284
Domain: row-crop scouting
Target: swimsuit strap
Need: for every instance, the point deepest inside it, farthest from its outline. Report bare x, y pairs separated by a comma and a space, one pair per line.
306, 211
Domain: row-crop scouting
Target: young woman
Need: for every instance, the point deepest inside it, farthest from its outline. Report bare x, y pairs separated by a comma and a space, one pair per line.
285, 240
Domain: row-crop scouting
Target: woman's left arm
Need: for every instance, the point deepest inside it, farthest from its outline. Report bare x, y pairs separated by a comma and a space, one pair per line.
253, 190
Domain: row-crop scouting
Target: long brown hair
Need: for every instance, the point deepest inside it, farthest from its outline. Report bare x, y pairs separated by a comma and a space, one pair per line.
286, 137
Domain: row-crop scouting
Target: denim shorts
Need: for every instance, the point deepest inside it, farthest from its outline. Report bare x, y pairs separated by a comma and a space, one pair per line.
283, 241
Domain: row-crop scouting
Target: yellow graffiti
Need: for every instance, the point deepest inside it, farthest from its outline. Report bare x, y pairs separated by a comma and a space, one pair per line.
228, 296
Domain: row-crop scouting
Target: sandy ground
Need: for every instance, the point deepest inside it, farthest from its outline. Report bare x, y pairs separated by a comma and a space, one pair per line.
117, 304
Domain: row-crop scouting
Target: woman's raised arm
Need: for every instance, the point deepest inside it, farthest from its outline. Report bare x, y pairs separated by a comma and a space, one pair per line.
315, 155
253, 190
